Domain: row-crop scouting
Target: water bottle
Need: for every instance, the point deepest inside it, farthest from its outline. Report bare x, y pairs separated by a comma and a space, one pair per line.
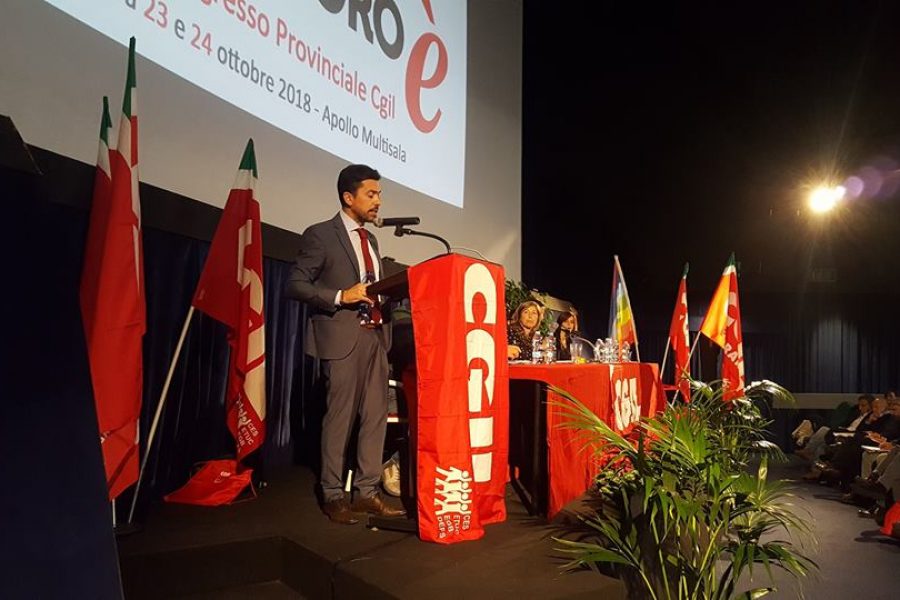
536, 351
550, 350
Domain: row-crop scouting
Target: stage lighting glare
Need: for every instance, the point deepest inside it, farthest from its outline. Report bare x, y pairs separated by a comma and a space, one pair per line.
825, 198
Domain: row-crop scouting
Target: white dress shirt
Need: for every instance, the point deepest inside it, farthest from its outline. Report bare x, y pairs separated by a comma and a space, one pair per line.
352, 226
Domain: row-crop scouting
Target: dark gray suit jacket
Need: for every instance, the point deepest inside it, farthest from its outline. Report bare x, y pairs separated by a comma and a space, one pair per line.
325, 264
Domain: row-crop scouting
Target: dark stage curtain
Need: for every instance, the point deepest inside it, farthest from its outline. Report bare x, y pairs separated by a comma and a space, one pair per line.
818, 342
852, 343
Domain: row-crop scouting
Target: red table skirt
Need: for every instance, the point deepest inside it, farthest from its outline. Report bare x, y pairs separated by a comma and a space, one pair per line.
615, 392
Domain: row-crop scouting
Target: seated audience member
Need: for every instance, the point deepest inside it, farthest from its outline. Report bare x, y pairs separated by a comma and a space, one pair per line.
880, 487
815, 446
566, 327
887, 436
847, 459
883, 484
521, 329
888, 476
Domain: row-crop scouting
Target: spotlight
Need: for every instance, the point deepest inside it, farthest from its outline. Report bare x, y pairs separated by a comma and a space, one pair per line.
825, 198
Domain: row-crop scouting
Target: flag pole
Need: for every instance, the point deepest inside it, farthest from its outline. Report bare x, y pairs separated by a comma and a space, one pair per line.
687, 368
691, 353
665, 359
159, 408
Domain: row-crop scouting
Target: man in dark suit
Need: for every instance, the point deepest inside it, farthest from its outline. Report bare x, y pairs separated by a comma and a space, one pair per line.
337, 260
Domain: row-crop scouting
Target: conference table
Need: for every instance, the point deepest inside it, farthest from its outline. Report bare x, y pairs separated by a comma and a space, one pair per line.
560, 470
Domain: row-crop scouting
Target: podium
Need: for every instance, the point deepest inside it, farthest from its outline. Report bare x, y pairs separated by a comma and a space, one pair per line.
395, 287
459, 395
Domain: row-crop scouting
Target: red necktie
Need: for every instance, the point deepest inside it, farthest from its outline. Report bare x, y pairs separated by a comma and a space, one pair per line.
370, 272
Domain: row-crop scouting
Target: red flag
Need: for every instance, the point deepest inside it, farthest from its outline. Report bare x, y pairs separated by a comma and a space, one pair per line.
621, 319
216, 483
722, 325
112, 295
231, 291
678, 339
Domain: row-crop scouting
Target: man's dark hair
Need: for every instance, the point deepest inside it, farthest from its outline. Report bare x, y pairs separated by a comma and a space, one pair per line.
868, 397
351, 177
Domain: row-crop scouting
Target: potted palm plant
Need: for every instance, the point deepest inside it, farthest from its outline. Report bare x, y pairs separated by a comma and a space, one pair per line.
678, 512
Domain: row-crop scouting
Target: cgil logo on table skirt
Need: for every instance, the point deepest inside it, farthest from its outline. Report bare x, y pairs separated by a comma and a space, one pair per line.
626, 406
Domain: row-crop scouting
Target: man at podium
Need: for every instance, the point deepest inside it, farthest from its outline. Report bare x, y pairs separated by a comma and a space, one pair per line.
336, 262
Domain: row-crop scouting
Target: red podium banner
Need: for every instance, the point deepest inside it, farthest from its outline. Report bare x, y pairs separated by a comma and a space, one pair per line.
462, 408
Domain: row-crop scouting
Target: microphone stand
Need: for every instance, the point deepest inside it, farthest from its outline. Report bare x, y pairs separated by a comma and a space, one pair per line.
400, 231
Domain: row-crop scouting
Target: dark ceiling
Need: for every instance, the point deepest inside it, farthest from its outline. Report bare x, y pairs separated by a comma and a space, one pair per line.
673, 133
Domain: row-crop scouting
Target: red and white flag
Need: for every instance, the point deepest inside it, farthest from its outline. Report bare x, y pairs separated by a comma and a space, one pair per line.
722, 325
230, 290
678, 339
113, 308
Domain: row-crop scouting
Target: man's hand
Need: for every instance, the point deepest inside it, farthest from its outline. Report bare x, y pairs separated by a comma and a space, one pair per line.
513, 352
876, 437
355, 294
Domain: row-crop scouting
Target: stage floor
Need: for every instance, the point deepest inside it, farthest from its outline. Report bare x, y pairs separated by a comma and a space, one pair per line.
282, 546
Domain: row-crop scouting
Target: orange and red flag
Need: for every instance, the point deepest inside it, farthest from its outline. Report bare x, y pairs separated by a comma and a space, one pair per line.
722, 325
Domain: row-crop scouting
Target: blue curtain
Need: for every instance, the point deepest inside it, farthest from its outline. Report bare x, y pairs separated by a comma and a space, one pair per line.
816, 342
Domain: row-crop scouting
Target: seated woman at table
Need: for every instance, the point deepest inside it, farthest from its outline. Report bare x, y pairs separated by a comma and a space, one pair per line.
521, 329
566, 327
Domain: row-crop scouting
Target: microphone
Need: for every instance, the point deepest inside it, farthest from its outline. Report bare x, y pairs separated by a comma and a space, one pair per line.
395, 221
399, 224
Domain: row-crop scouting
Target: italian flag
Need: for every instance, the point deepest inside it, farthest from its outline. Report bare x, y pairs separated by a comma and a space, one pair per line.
722, 325
112, 294
230, 290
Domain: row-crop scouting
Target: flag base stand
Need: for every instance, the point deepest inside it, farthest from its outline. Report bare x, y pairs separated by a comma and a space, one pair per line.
401, 524
126, 529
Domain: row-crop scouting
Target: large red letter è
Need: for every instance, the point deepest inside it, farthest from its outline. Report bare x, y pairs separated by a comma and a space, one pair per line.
416, 81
